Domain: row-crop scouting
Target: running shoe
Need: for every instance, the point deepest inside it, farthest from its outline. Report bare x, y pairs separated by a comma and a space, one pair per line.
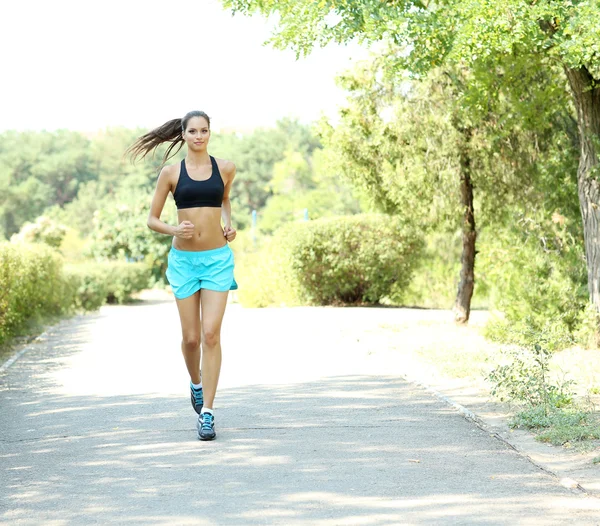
206, 427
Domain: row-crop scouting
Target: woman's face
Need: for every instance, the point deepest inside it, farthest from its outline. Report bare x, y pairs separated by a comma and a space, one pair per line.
197, 134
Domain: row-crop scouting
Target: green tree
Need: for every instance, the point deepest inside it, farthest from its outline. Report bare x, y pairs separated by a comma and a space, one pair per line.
481, 35
424, 159
38, 170
255, 155
306, 182
43, 230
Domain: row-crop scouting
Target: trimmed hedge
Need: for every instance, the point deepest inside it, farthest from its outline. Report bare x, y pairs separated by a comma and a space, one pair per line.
351, 259
107, 282
32, 286
342, 260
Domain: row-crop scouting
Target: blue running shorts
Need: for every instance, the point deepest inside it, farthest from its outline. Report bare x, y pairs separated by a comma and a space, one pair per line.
190, 271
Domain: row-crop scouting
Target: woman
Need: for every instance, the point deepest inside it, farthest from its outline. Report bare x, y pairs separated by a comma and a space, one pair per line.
200, 262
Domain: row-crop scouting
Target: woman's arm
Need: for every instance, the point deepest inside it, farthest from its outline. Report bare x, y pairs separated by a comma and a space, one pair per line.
163, 186
228, 231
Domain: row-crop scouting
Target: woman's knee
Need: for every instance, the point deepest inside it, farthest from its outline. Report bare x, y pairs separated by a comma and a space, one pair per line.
211, 336
191, 341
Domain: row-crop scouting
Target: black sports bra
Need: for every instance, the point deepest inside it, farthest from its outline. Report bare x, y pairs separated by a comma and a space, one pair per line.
190, 193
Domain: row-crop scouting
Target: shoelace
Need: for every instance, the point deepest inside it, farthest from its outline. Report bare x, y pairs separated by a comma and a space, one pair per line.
197, 393
207, 419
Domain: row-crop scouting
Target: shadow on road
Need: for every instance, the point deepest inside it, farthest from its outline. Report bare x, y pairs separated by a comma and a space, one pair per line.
342, 450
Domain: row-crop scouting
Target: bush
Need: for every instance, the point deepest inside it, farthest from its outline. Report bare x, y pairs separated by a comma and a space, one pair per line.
91, 288
349, 259
537, 277
32, 286
526, 379
100, 282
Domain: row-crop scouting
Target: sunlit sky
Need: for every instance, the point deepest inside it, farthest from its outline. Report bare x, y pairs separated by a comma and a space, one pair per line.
89, 65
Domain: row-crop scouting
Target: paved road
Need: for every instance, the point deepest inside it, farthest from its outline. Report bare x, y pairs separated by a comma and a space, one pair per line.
313, 428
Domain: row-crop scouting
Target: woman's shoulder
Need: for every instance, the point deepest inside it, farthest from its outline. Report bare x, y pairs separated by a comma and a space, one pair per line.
227, 168
169, 170
169, 175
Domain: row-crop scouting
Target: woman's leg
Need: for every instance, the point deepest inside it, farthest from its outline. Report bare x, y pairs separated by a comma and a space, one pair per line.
213, 308
189, 315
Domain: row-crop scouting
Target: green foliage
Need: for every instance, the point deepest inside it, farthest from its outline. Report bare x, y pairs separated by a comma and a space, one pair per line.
535, 274
354, 259
125, 279
121, 233
559, 427
45, 169
405, 146
525, 379
38, 170
32, 286
429, 33
434, 280
91, 286
35, 286
100, 282
43, 230
302, 183
255, 155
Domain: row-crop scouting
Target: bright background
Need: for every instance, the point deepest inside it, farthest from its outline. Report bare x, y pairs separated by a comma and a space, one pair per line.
89, 65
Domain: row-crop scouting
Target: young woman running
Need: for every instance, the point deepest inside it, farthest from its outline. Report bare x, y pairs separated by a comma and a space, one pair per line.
200, 262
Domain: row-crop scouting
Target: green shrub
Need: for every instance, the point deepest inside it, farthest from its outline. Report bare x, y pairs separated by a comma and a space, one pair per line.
526, 379
537, 277
124, 279
91, 288
113, 282
349, 259
32, 286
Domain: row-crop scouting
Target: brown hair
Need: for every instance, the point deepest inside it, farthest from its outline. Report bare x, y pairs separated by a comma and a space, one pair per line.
170, 131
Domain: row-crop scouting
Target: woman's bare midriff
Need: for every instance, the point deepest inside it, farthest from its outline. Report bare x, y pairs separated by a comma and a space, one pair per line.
208, 233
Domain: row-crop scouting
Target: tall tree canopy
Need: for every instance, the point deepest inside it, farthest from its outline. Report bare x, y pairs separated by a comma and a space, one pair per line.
480, 35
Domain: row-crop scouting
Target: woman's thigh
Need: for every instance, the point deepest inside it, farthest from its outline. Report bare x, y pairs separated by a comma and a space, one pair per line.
189, 316
213, 310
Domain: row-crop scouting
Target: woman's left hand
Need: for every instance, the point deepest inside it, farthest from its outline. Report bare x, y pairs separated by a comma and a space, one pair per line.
229, 233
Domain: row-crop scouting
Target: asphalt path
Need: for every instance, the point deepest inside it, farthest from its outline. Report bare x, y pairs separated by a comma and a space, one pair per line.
313, 426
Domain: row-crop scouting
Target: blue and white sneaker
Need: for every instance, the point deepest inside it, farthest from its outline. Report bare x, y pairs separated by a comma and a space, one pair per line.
206, 427
197, 398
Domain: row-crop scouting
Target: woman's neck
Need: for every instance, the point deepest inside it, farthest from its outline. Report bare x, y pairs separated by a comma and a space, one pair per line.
197, 158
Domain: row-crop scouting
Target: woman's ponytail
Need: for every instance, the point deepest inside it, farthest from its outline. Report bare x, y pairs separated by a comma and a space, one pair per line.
169, 132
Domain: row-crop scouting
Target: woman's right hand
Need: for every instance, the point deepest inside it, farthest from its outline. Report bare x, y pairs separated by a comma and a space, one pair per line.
185, 230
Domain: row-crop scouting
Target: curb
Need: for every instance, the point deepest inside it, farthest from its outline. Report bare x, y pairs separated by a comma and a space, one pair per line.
18, 354
565, 482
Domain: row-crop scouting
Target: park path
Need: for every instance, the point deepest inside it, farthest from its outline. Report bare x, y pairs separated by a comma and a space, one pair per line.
315, 426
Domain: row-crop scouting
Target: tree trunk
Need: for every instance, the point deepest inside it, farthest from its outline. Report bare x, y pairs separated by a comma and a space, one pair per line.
462, 305
586, 95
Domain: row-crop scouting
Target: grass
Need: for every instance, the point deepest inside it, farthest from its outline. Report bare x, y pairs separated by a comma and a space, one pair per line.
462, 352
568, 427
